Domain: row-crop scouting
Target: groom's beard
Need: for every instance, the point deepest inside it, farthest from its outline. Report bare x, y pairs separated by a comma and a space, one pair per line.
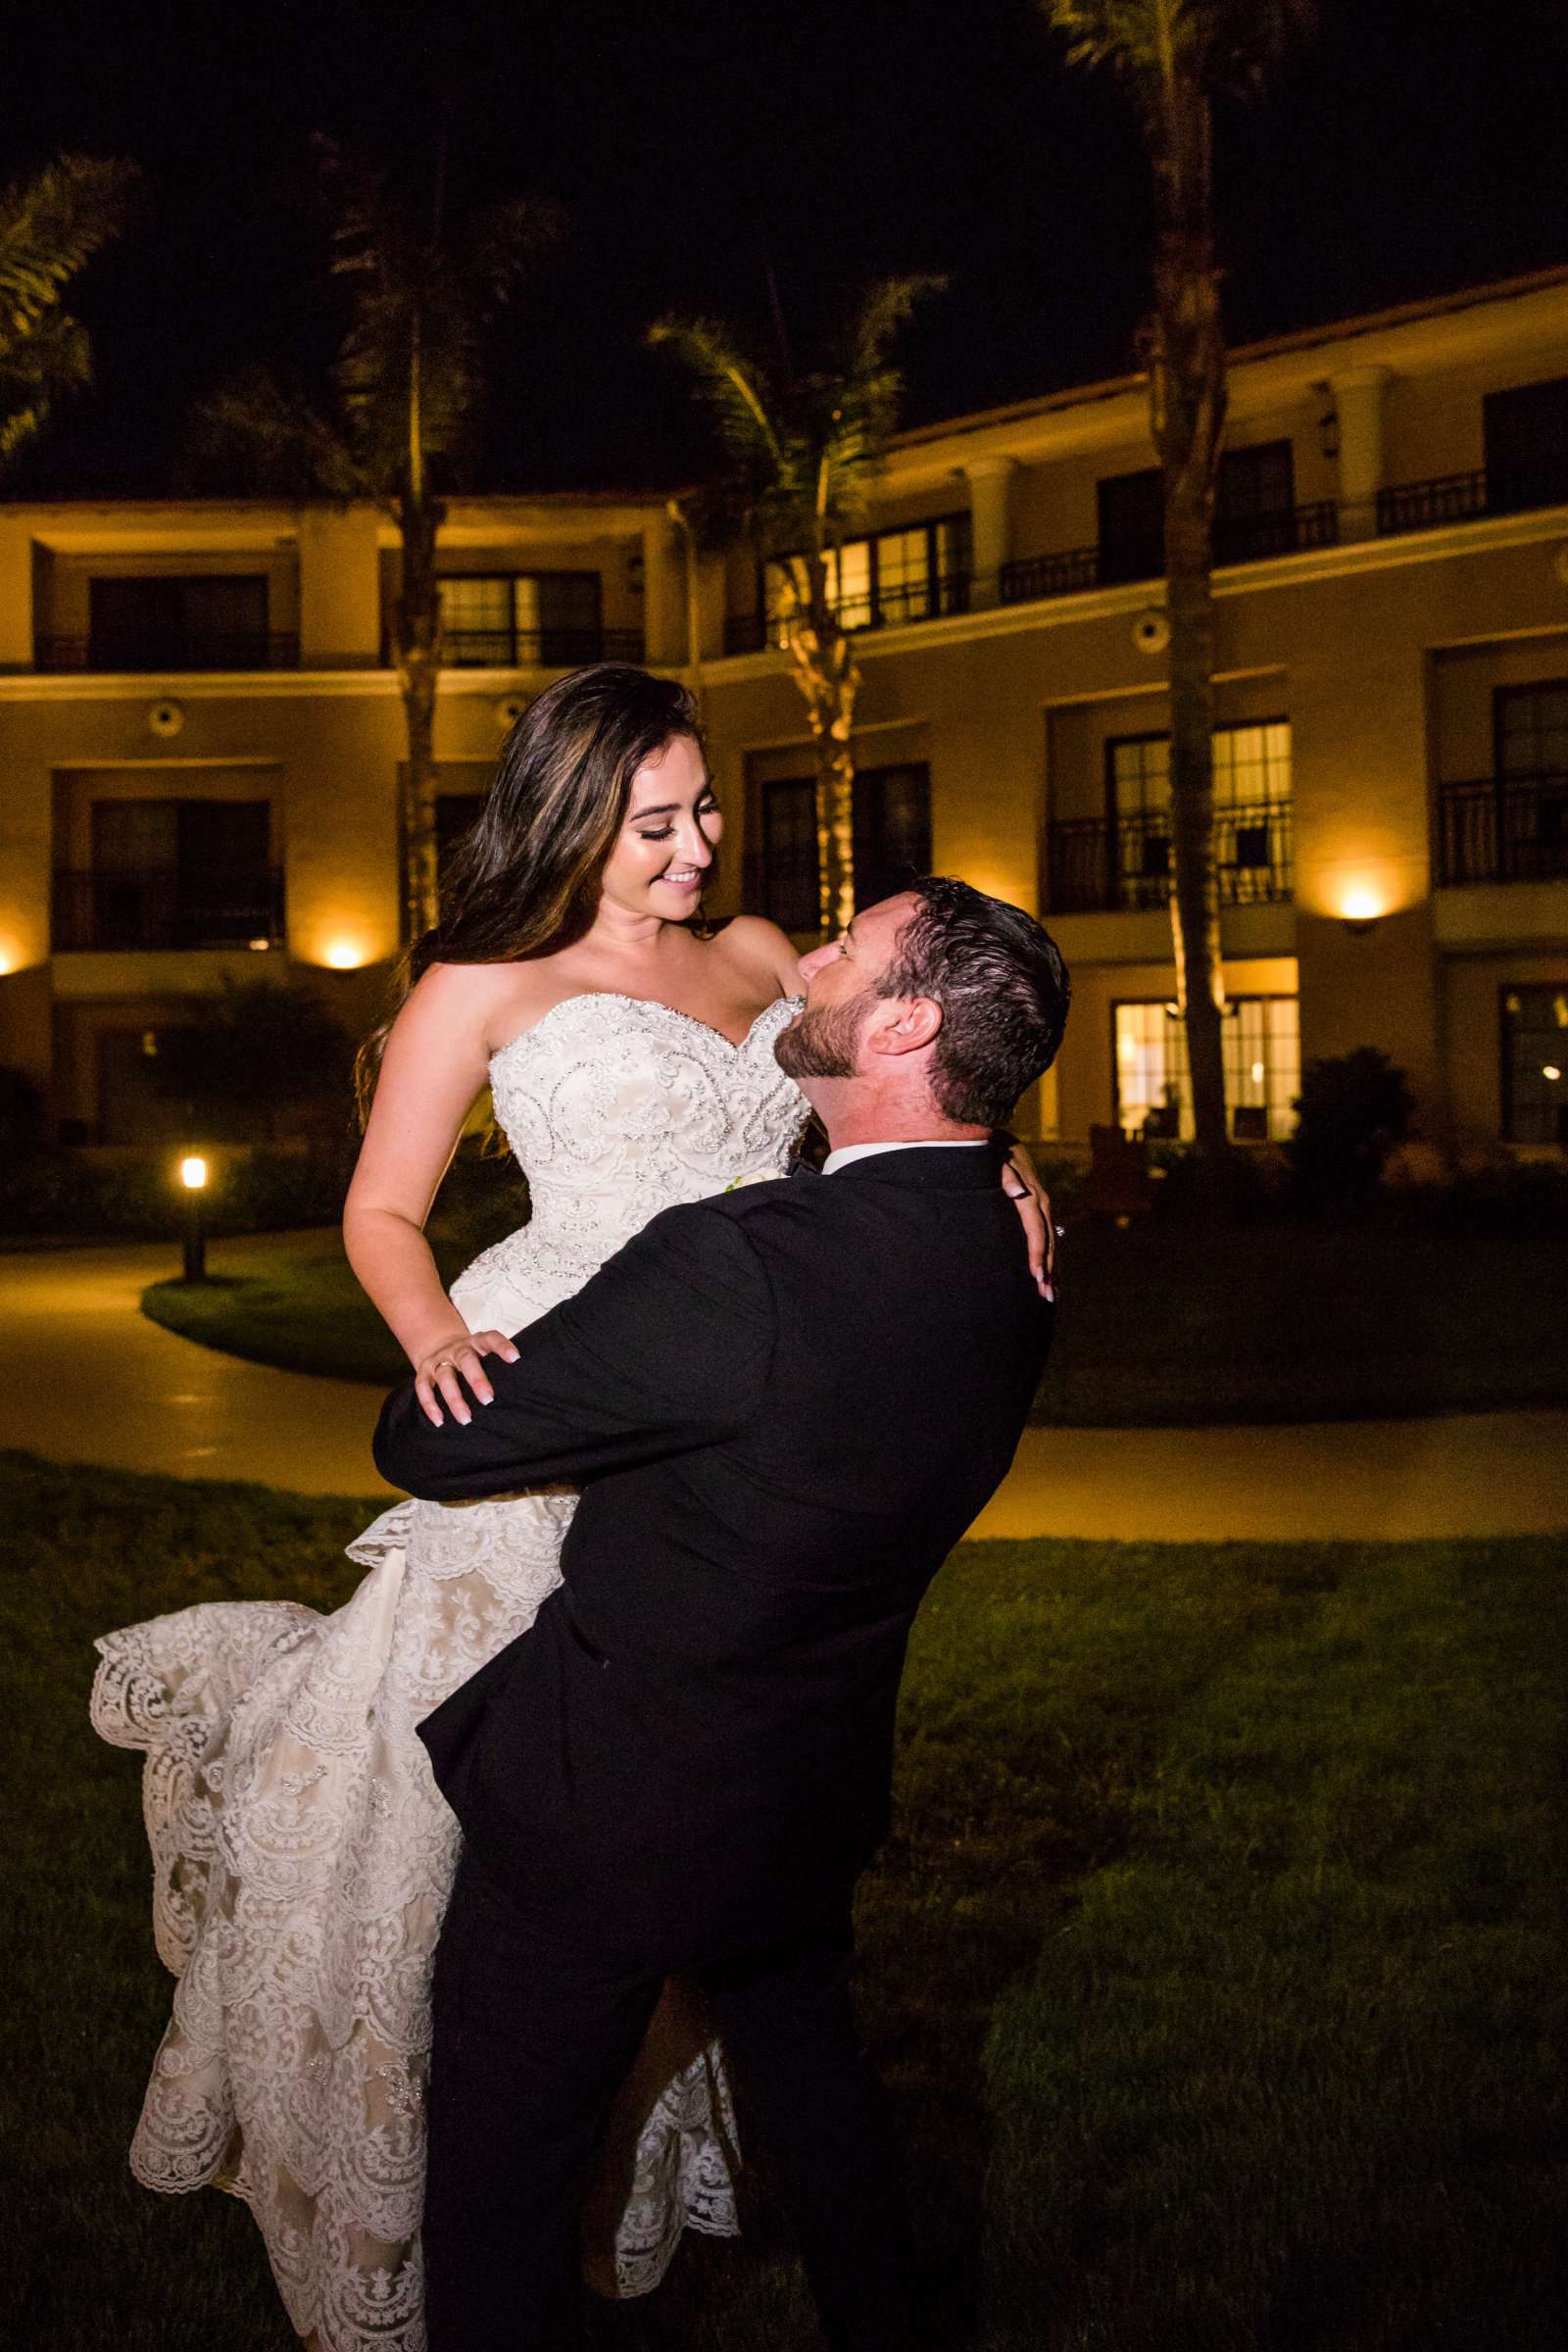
821, 1043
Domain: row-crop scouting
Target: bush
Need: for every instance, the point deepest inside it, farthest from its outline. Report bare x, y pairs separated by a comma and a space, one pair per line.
262, 1056
21, 1115
1353, 1109
63, 1193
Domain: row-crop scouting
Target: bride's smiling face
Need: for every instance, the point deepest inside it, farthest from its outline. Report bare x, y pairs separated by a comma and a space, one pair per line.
665, 847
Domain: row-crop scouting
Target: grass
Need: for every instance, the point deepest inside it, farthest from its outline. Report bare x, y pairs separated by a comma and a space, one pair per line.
1215, 1964
1158, 1325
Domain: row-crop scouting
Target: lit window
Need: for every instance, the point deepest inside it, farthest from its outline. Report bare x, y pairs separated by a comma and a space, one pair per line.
1262, 1050
1535, 1056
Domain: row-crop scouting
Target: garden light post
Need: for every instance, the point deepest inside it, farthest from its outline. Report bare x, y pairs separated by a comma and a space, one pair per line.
194, 1176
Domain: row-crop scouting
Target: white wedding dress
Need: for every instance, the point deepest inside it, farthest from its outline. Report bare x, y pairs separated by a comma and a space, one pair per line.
302, 1854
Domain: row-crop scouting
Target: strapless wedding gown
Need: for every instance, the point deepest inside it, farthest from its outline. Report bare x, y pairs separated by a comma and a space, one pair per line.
302, 1854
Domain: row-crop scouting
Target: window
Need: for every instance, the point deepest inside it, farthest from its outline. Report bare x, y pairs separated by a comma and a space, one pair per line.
892, 841
1255, 513
1255, 503
1532, 729
1526, 433
1263, 1051
1530, 726
1131, 526
1534, 1064
171, 873
789, 884
890, 577
456, 814
1251, 813
171, 621
505, 620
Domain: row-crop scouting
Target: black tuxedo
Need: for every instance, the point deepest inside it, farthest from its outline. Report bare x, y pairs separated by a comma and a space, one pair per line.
783, 1408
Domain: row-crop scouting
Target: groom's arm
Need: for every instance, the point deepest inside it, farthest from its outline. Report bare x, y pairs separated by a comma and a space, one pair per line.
665, 1350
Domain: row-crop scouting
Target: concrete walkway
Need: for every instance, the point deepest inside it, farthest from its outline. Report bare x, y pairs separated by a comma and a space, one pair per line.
85, 1378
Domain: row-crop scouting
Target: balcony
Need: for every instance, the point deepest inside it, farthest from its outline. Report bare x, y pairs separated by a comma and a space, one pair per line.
1463, 497
1098, 864
1502, 829
155, 650
537, 649
894, 606
166, 908
1238, 539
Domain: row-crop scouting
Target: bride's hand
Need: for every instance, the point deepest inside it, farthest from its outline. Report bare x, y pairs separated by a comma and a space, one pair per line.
440, 1372
1020, 1180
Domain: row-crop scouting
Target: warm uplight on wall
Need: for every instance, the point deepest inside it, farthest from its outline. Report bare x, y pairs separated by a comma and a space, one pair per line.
10, 956
1361, 907
344, 955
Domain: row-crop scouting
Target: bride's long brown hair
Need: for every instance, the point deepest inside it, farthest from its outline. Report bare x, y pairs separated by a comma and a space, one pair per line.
524, 880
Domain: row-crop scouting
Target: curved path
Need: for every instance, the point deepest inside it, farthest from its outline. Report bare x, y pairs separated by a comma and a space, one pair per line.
84, 1377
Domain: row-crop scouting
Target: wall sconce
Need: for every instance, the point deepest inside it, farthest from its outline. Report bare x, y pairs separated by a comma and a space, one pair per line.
344, 955
1362, 911
1328, 423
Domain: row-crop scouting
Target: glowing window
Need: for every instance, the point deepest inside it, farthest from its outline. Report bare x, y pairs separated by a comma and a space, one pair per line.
1262, 1050
1535, 1064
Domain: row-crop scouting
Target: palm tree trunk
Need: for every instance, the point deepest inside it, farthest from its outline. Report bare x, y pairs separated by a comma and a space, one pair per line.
829, 677
418, 648
1187, 393
1194, 896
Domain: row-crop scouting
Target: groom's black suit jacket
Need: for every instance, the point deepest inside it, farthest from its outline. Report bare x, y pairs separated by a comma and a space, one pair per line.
783, 1406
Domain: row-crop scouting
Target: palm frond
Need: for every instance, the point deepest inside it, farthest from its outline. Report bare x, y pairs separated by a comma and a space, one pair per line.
50, 228
1223, 44
734, 387
260, 437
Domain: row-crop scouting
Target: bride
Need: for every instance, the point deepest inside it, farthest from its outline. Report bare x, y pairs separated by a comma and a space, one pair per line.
302, 1854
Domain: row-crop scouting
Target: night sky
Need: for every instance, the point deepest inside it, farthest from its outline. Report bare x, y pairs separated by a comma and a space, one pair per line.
696, 143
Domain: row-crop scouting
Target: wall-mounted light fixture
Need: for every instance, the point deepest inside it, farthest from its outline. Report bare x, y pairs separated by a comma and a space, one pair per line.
344, 955
1361, 908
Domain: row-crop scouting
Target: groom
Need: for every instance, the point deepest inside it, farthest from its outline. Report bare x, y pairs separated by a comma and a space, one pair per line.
783, 1406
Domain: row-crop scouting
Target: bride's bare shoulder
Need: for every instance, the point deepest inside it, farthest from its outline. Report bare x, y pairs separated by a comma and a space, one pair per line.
481, 1004
761, 951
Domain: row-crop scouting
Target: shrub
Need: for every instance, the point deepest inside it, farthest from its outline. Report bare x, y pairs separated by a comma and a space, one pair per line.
1353, 1109
21, 1115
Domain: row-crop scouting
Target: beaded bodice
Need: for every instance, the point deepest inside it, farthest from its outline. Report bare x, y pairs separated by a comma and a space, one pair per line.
617, 1107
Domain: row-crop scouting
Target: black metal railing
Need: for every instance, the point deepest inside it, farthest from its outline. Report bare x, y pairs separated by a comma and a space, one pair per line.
1461, 497
538, 649
1036, 576
1238, 539
171, 649
1248, 538
1093, 864
1503, 830
892, 606
167, 908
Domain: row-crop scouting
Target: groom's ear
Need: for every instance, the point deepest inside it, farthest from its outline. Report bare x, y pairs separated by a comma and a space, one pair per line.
902, 1025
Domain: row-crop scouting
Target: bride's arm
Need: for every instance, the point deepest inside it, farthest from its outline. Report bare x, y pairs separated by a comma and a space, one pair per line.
435, 1065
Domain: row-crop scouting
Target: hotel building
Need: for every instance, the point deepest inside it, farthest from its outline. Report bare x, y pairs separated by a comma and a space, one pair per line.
200, 735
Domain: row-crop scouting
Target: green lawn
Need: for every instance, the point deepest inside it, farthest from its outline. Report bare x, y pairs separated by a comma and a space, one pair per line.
1217, 1963
1159, 1324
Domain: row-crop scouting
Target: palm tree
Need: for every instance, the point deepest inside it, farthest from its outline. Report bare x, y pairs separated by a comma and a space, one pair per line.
1175, 57
50, 228
797, 453
409, 378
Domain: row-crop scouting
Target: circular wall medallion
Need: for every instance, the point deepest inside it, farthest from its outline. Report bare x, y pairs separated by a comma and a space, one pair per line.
509, 708
166, 718
1151, 632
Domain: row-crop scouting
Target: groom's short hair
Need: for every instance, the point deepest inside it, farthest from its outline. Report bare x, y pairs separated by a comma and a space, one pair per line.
1002, 987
